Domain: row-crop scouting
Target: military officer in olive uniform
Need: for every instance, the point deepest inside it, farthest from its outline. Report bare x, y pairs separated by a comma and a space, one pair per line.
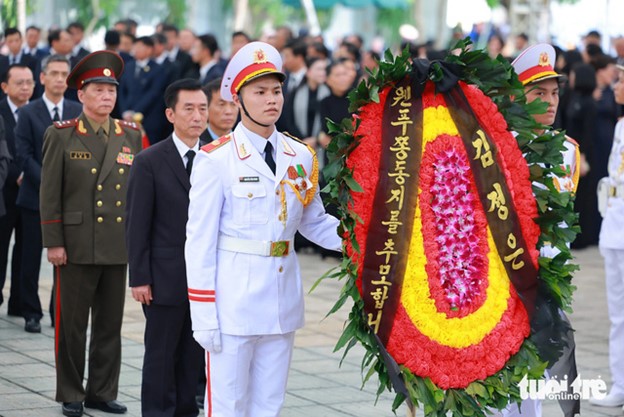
86, 162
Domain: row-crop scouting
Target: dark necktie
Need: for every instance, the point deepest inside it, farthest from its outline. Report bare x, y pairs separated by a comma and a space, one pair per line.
102, 135
268, 156
190, 155
56, 117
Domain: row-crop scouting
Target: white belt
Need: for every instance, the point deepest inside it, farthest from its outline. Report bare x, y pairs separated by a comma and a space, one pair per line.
255, 247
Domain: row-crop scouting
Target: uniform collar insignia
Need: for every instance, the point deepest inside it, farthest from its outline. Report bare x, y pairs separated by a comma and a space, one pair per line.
81, 128
287, 149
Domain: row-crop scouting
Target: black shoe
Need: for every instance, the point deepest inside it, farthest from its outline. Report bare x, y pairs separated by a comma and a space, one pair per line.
73, 409
32, 326
112, 406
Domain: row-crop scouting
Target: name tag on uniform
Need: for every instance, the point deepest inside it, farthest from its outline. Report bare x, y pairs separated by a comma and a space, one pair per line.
79, 155
125, 158
248, 179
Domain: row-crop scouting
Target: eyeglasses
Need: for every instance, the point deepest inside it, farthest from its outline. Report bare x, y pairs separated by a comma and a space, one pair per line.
21, 83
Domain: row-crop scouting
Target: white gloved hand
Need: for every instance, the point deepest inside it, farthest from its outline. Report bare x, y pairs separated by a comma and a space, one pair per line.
210, 340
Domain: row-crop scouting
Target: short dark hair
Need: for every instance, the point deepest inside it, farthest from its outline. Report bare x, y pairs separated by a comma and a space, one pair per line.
211, 87
168, 27
112, 38
129, 35
12, 31
7, 73
593, 50
320, 48
54, 35
33, 27
524, 36
53, 58
173, 90
145, 40
209, 42
602, 61
159, 38
298, 47
76, 25
241, 33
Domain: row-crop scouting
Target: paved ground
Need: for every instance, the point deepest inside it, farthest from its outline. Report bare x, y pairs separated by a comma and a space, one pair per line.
317, 387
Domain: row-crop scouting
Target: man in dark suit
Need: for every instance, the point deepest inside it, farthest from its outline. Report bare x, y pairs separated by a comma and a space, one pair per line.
33, 36
155, 232
76, 31
34, 119
188, 69
86, 163
222, 115
5, 161
205, 53
18, 86
141, 90
13, 40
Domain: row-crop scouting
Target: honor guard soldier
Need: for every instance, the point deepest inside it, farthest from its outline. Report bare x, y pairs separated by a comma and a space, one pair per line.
534, 67
611, 243
86, 162
251, 191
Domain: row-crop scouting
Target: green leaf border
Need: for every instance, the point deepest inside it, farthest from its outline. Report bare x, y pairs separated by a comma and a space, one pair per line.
497, 79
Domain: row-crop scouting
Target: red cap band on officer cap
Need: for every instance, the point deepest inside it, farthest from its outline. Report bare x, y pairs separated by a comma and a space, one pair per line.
95, 73
535, 73
249, 72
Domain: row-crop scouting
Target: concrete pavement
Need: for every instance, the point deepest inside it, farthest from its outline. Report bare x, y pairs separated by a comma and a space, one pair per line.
317, 386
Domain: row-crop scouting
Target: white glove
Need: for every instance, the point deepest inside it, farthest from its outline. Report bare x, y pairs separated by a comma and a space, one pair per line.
210, 340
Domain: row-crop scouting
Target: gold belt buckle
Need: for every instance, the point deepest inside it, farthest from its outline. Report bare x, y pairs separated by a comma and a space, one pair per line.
280, 248
612, 191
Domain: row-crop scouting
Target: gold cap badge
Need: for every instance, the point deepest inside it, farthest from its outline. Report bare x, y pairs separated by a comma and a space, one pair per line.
543, 60
259, 56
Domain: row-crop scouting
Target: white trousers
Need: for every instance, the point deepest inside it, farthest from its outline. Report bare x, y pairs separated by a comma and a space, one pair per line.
248, 377
614, 272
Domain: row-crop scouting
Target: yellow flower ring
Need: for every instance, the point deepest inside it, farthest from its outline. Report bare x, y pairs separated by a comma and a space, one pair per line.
436, 333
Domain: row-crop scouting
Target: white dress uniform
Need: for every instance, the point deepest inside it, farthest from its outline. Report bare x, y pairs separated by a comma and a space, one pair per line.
242, 271
611, 244
535, 65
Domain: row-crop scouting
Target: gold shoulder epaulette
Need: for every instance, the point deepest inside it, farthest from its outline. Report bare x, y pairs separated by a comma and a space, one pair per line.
572, 141
217, 143
294, 137
131, 125
62, 124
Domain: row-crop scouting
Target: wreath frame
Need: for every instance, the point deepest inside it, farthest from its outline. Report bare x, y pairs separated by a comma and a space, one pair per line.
543, 153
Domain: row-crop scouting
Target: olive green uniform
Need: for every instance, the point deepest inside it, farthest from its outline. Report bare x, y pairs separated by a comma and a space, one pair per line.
83, 194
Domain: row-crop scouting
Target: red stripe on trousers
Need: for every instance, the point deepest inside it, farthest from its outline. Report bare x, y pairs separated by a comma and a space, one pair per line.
208, 388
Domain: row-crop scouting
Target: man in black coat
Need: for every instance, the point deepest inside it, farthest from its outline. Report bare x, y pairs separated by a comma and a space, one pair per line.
16, 56
157, 209
141, 90
34, 119
18, 86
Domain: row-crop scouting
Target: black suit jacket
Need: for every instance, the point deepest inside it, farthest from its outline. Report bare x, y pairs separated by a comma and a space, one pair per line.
188, 69
9, 132
215, 72
32, 123
5, 159
143, 93
157, 212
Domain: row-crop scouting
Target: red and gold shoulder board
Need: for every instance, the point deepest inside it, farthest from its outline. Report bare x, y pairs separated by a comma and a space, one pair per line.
62, 124
217, 143
131, 125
